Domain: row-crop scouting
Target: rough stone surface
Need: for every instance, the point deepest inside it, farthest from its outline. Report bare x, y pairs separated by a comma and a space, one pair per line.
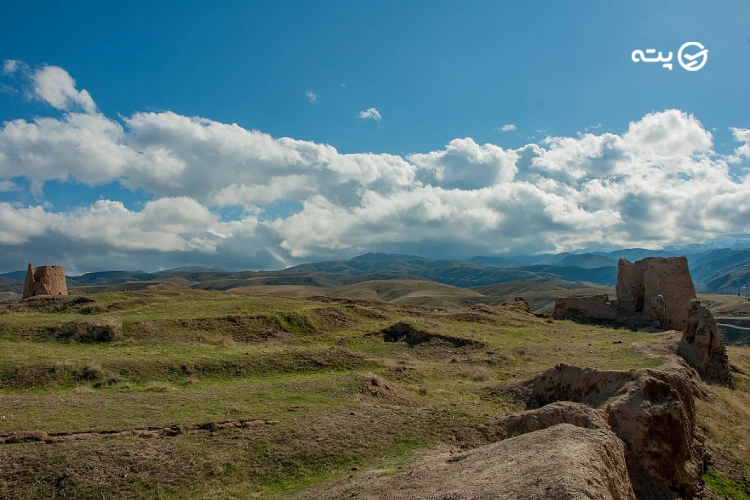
561, 412
560, 462
518, 303
584, 307
658, 311
656, 420
588, 386
703, 347
595, 434
652, 411
671, 279
45, 280
654, 291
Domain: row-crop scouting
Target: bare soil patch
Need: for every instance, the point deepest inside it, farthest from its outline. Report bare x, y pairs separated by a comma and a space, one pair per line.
143, 432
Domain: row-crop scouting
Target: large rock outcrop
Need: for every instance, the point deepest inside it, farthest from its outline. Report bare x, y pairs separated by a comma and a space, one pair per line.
45, 280
655, 291
703, 347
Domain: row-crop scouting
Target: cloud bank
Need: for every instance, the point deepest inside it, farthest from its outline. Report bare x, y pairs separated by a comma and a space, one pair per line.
660, 182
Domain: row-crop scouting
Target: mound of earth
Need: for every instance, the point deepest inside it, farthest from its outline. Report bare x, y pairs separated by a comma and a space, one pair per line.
404, 332
518, 303
509, 426
562, 461
57, 304
380, 389
652, 411
593, 434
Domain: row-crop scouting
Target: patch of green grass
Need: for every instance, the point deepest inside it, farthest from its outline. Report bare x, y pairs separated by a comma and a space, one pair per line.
725, 488
163, 404
42, 365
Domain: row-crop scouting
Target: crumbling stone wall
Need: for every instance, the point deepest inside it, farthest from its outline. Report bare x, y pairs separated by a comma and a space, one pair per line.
583, 307
45, 280
630, 290
653, 291
640, 284
703, 347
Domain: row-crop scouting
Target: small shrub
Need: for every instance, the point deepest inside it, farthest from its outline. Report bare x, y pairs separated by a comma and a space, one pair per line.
93, 371
104, 330
63, 370
109, 380
95, 309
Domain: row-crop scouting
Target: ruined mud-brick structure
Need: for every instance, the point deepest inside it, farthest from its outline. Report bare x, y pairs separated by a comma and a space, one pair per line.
45, 280
703, 347
658, 292
655, 291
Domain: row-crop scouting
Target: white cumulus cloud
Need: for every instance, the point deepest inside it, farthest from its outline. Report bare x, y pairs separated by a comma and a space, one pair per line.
371, 114
223, 194
509, 127
57, 88
742, 135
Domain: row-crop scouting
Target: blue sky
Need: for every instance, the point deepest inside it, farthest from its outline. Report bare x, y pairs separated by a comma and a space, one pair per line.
431, 72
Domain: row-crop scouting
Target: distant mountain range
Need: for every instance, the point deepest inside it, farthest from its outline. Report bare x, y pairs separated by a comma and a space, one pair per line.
725, 271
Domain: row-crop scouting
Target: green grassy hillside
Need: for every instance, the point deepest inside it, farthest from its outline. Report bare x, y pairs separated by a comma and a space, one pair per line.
252, 395
201, 394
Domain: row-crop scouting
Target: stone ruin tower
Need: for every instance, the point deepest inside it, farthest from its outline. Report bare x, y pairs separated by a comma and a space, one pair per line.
659, 289
45, 280
653, 291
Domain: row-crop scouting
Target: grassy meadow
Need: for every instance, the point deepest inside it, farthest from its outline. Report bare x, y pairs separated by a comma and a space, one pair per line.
212, 395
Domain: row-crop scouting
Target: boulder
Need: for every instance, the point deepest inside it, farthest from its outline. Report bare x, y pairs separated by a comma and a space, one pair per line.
703, 347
